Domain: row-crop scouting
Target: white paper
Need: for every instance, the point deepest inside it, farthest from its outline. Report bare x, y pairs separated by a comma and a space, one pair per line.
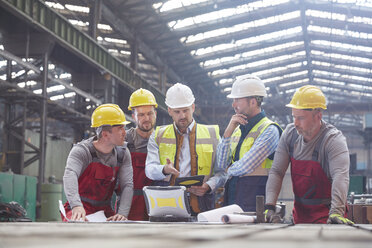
237, 218
98, 216
216, 214
62, 209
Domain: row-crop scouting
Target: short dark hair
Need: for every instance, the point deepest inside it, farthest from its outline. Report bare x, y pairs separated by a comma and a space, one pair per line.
106, 128
259, 99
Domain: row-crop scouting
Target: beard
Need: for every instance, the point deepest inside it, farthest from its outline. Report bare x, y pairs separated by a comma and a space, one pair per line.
306, 133
146, 128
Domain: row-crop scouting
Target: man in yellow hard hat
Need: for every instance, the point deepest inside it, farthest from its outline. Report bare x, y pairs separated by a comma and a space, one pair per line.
247, 148
95, 166
185, 148
143, 105
319, 160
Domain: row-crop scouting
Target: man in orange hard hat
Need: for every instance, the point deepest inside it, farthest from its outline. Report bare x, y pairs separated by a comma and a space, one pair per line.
95, 166
143, 105
319, 160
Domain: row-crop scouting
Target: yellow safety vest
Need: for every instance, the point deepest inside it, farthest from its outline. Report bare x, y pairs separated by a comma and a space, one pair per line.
251, 137
207, 138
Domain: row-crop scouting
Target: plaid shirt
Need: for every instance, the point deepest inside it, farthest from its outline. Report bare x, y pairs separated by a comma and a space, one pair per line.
264, 145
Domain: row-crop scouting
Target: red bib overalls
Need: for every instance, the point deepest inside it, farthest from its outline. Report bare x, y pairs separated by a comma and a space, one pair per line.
138, 209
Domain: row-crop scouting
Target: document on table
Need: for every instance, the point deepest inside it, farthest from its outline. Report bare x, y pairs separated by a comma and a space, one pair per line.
98, 216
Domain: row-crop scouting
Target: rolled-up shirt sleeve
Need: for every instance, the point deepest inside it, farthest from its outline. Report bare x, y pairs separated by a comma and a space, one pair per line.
153, 169
223, 153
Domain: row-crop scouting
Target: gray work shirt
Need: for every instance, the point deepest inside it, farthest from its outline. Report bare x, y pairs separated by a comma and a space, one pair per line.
79, 159
334, 150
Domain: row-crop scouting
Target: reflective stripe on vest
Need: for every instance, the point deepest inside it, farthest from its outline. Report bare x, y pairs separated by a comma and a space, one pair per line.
207, 137
248, 142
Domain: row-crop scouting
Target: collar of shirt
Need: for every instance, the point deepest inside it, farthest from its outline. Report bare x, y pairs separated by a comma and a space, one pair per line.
251, 123
189, 128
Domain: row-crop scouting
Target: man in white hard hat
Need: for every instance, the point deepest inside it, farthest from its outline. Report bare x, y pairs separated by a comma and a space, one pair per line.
185, 148
248, 144
143, 105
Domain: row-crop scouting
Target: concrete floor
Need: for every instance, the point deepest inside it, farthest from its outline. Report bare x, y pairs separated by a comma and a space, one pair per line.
152, 235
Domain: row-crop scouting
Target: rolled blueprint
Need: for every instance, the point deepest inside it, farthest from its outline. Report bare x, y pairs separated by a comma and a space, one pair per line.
237, 218
216, 214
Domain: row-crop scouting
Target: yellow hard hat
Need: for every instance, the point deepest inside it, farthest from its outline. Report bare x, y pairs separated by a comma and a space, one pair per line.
308, 97
108, 114
141, 97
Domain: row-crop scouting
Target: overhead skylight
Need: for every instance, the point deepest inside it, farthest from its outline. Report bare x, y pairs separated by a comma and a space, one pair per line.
340, 32
339, 17
250, 40
259, 63
342, 45
174, 4
241, 27
77, 8
220, 14
28, 83
54, 5
113, 40
78, 23
341, 57
266, 50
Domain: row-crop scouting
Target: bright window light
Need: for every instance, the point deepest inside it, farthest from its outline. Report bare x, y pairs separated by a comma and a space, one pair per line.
242, 26
339, 45
70, 94
77, 8
104, 27
55, 88
113, 40
78, 23
29, 83
57, 97
54, 5
219, 14
339, 32
251, 40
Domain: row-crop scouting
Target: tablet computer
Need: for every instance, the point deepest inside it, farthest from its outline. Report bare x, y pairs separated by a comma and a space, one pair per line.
190, 181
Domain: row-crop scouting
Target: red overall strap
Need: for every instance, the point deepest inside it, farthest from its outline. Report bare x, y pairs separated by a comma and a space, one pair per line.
311, 187
96, 186
138, 209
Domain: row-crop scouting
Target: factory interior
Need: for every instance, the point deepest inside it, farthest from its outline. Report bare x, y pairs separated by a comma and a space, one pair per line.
61, 59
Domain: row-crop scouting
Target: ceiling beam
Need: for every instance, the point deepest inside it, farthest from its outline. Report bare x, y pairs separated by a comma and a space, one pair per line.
256, 58
339, 38
243, 34
200, 8
341, 25
126, 31
250, 47
230, 21
236, 73
349, 9
340, 50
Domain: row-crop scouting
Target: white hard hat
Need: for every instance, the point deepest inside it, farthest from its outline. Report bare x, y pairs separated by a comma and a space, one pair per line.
179, 96
247, 86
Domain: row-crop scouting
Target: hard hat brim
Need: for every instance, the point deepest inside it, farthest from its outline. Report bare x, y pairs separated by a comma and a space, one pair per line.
289, 105
139, 105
